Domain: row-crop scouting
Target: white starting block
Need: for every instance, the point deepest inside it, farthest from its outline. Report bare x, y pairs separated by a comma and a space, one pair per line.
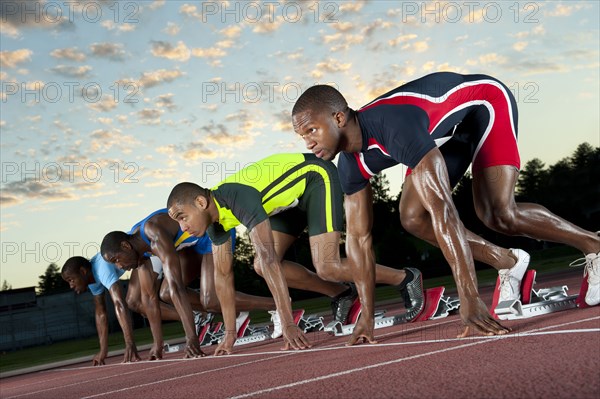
338, 329
543, 301
311, 323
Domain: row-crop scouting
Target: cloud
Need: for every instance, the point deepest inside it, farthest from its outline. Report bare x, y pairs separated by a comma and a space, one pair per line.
72, 71
347, 43
351, 7
267, 25
329, 66
487, 59
156, 4
419, 47
124, 27
112, 51
223, 138
211, 52
191, 151
166, 101
105, 121
218, 134
14, 18
155, 78
189, 11
231, 32
102, 140
166, 50
150, 116
10, 59
105, 104
72, 54
562, 10
379, 23
171, 29
536, 66
389, 79
520, 46
401, 39
248, 122
283, 121
15, 192
343, 26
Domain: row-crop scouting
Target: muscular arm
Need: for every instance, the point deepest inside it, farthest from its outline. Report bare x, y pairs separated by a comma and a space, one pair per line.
101, 328
359, 247
262, 239
116, 293
432, 184
162, 246
149, 298
225, 287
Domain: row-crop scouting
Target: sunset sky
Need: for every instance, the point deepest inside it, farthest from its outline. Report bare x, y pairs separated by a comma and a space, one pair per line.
106, 105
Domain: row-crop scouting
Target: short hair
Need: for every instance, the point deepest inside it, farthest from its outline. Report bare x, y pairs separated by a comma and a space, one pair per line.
111, 243
186, 193
320, 97
73, 264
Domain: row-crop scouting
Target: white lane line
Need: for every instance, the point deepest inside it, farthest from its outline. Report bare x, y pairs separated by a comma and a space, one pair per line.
84, 381
478, 342
390, 362
320, 349
190, 375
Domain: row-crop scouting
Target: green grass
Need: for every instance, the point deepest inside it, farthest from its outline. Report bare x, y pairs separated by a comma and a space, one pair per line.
546, 261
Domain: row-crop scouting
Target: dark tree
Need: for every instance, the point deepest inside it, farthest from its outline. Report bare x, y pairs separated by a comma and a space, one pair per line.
51, 281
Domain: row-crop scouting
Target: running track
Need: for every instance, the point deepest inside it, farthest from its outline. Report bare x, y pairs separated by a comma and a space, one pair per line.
550, 356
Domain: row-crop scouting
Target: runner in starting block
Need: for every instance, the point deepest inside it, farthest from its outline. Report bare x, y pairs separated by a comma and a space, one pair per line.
287, 193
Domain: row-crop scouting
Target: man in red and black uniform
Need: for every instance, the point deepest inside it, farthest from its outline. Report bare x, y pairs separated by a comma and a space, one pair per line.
437, 125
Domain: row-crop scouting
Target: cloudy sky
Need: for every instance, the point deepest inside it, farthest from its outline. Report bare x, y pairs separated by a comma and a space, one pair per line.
106, 105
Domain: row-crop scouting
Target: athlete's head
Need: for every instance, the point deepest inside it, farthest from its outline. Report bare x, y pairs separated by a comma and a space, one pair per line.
116, 248
77, 272
189, 205
318, 117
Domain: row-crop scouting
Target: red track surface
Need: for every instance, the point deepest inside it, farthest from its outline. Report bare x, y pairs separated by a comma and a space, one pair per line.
550, 356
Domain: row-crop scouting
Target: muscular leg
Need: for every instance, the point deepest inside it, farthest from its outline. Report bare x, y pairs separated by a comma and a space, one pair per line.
326, 258
493, 193
299, 277
135, 303
190, 262
243, 302
417, 221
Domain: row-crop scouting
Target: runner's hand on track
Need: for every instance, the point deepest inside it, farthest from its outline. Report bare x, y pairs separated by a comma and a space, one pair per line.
363, 331
131, 353
225, 347
156, 352
98, 359
475, 314
294, 338
192, 348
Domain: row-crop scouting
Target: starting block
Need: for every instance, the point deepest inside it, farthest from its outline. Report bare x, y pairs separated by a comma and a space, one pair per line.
534, 302
311, 323
582, 291
436, 306
433, 297
526, 292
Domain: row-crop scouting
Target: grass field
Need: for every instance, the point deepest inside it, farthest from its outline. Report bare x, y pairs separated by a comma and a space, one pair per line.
547, 261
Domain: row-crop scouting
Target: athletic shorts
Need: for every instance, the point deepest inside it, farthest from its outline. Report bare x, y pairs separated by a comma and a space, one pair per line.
315, 207
486, 136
